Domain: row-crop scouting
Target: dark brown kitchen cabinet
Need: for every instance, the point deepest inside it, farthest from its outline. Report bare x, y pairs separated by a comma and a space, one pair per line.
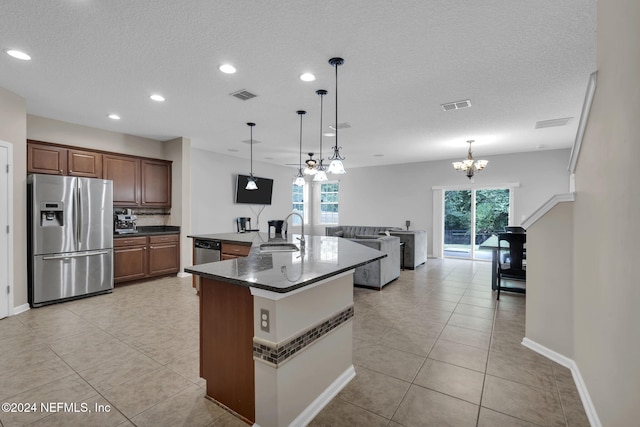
164, 254
124, 171
156, 183
129, 259
137, 181
142, 257
43, 158
84, 163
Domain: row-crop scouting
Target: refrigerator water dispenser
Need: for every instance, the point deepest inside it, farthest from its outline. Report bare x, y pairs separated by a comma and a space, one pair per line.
51, 214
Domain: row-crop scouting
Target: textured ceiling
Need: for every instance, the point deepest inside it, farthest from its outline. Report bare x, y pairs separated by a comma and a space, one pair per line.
518, 62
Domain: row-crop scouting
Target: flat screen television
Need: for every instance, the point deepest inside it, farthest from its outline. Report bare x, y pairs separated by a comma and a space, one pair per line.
261, 196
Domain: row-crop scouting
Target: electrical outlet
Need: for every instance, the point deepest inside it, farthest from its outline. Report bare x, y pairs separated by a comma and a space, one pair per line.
264, 320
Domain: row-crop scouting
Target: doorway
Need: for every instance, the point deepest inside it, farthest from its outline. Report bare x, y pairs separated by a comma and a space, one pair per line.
471, 216
6, 227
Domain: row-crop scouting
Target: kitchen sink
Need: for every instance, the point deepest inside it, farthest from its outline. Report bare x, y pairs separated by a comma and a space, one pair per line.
278, 247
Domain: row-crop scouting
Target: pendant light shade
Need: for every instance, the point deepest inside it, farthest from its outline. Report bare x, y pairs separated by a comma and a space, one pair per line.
251, 181
336, 166
321, 173
299, 181
311, 166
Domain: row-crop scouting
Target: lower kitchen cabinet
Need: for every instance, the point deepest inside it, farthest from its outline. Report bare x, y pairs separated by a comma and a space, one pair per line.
142, 257
164, 254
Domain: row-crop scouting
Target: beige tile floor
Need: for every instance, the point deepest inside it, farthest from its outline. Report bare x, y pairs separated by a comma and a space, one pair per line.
433, 348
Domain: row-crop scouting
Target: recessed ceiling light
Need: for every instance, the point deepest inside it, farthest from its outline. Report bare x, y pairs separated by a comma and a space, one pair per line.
18, 54
227, 68
157, 97
329, 134
307, 77
114, 116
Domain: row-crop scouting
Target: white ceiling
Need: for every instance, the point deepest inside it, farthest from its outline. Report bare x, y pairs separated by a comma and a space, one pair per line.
518, 62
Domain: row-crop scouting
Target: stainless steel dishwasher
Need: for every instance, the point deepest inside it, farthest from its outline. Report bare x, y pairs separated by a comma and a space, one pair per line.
206, 251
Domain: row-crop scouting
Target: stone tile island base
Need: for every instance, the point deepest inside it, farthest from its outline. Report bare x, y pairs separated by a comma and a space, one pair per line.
283, 373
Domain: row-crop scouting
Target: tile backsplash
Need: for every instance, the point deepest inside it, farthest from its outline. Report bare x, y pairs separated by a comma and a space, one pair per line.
148, 216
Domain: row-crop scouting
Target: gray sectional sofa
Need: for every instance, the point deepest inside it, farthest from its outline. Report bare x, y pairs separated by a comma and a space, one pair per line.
378, 273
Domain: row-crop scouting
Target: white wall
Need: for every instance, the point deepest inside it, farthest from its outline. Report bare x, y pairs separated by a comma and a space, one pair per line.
57, 132
213, 178
550, 280
606, 227
13, 129
179, 151
389, 195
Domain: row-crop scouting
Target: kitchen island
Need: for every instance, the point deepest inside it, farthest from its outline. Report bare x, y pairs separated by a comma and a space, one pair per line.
276, 327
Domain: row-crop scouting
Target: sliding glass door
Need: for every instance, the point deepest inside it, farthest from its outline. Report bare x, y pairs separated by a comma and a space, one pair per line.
470, 218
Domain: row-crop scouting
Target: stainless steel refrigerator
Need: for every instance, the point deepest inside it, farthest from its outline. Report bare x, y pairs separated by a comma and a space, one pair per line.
70, 236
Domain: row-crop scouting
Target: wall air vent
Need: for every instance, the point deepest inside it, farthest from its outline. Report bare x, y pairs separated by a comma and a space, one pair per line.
456, 105
343, 125
243, 95
552, 123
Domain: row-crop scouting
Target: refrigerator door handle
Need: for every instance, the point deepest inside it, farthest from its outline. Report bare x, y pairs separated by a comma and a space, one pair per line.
74, 255
78, 214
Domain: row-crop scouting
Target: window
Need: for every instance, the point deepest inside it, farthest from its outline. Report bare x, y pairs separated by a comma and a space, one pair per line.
298, 203
471, 217
329, 203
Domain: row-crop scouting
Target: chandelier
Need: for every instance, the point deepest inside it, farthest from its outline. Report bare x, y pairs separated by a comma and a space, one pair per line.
470, 166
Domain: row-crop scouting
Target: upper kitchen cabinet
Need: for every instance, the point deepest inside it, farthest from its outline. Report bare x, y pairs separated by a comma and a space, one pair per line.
137, 181
84, 163
124, 171
54, 160
43, 158
156, 183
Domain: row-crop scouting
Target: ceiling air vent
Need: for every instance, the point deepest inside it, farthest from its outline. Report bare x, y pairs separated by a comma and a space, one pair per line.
552, 123
343, 125
248, 141
243, 95
456, 105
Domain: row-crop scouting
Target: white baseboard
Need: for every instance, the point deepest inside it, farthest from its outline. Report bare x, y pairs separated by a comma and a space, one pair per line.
590, 410
20, 309
183, 274
307, 415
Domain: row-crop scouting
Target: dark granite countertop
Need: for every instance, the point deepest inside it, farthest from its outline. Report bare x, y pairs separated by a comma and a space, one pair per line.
236, 238
283, 272
151, 230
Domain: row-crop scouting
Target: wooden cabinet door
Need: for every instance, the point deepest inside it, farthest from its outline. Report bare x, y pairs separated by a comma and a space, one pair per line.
47, 159
156, 183
129, 259
85, 163
125, 173
164, 254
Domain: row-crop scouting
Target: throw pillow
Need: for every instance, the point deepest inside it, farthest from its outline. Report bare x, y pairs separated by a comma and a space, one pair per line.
339, 233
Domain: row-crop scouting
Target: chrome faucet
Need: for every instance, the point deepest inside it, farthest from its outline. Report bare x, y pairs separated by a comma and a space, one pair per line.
301, 238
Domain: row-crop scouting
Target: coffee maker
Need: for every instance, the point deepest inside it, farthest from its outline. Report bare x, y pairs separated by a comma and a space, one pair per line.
125, 224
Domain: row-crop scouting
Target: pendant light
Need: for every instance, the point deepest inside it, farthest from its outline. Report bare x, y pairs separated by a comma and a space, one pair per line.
336, 166
321, 174
299, 181
251, 181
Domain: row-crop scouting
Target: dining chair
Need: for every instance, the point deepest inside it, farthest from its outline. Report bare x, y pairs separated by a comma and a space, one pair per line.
512, 262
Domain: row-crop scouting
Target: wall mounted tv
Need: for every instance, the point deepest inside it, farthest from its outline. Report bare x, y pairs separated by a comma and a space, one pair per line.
261, 196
